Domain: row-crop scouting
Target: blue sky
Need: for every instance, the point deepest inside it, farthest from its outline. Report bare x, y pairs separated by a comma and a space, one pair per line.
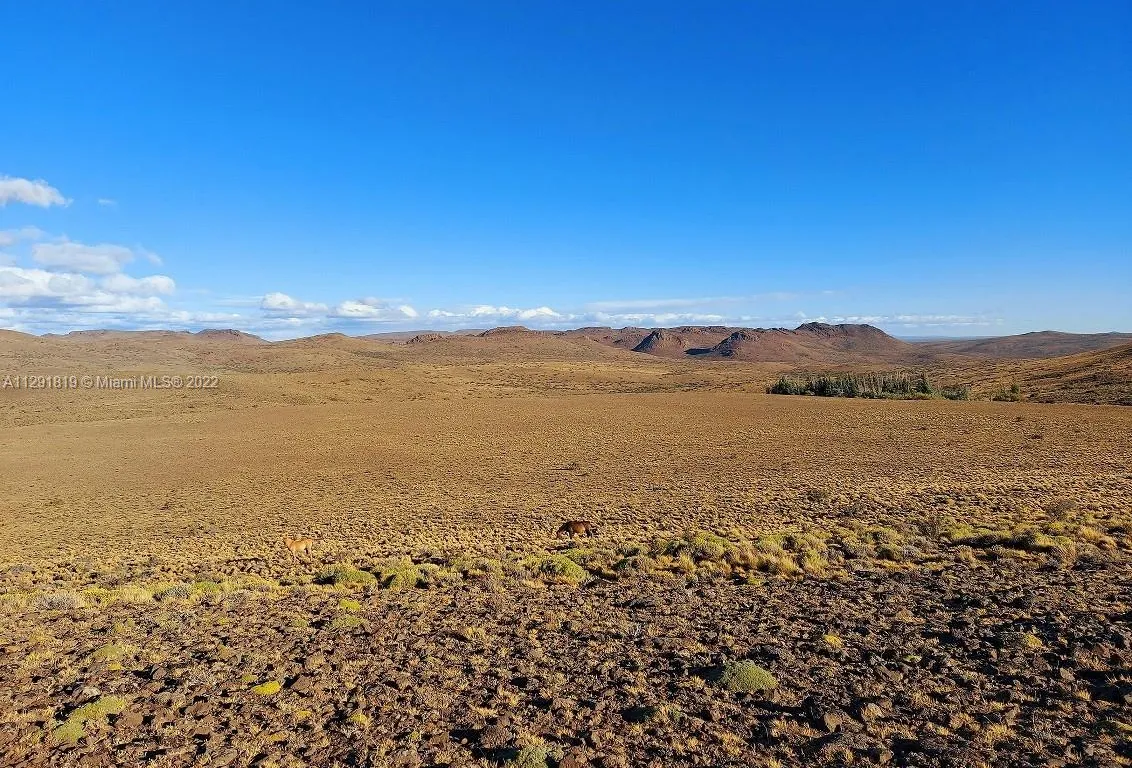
957, 168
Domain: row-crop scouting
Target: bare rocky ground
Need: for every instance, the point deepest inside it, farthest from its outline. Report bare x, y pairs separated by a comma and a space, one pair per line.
1006, 658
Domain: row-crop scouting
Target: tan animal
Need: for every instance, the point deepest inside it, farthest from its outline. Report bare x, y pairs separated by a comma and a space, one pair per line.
574, 528
299, 545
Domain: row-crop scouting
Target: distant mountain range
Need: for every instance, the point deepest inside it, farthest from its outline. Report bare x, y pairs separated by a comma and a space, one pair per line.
814, 343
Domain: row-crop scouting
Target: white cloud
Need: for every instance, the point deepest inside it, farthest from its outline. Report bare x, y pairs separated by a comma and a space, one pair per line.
12, 236
488, 312
629, 305
117, 293
38, 192
375, 310
657, 318
192, 318
145, 286
104, 259
276, 303
905, 320
107, 202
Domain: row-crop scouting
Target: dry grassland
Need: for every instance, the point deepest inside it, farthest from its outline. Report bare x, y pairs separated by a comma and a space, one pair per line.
921, 583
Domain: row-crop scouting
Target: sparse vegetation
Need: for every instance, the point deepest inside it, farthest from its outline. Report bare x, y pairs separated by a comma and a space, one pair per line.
557, 569
911, 573
344, 575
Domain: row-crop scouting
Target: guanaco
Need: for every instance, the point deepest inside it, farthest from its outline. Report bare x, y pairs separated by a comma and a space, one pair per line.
299, 545
574, 528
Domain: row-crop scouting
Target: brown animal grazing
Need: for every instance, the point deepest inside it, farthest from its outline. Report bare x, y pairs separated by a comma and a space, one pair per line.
574, 528
299, 545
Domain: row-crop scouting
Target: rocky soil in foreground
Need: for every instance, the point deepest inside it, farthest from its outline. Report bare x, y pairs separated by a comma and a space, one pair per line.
1007, 662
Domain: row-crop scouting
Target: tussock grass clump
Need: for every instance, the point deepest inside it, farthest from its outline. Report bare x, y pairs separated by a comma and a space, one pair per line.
590, 559
73, 728
557, 569
131, 593
174, 592
401, 573
206, 587
269, 688
634, 564
1022, 641
344, 575
1028, 538
536, 755
698, 545
833, 641
347, 621
1061, 508
113, 652
433, 575
745, 677
59, 601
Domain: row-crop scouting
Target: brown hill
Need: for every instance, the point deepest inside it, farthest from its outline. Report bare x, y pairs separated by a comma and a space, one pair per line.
229, 335
1037, 344
509, 330
813, 343
663, 342
676, 342
621, 338
1103, 377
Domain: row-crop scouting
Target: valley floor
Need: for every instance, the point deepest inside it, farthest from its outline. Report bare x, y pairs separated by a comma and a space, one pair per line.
776, 581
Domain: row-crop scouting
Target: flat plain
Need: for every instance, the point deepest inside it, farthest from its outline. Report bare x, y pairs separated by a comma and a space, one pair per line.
775, 580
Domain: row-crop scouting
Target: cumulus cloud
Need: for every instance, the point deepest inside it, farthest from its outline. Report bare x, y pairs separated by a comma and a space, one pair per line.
118, 293
38, 192
910, 320
9, 237
657, 318
629, 306
104, 259
488, 312
372, 309
276, 303
145, 286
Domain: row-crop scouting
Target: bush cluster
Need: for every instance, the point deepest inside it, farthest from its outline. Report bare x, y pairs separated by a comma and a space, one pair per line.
899, 386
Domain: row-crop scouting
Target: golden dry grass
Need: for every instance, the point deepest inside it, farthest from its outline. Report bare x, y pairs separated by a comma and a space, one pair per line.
142, 563
493, 457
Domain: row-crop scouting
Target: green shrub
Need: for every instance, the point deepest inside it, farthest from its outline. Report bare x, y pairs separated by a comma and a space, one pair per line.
347, 621
270, 688
342, 574
698, 545
746, 677
537, 755
113, 652
72, 730
398, 574
870, 385
557, 569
